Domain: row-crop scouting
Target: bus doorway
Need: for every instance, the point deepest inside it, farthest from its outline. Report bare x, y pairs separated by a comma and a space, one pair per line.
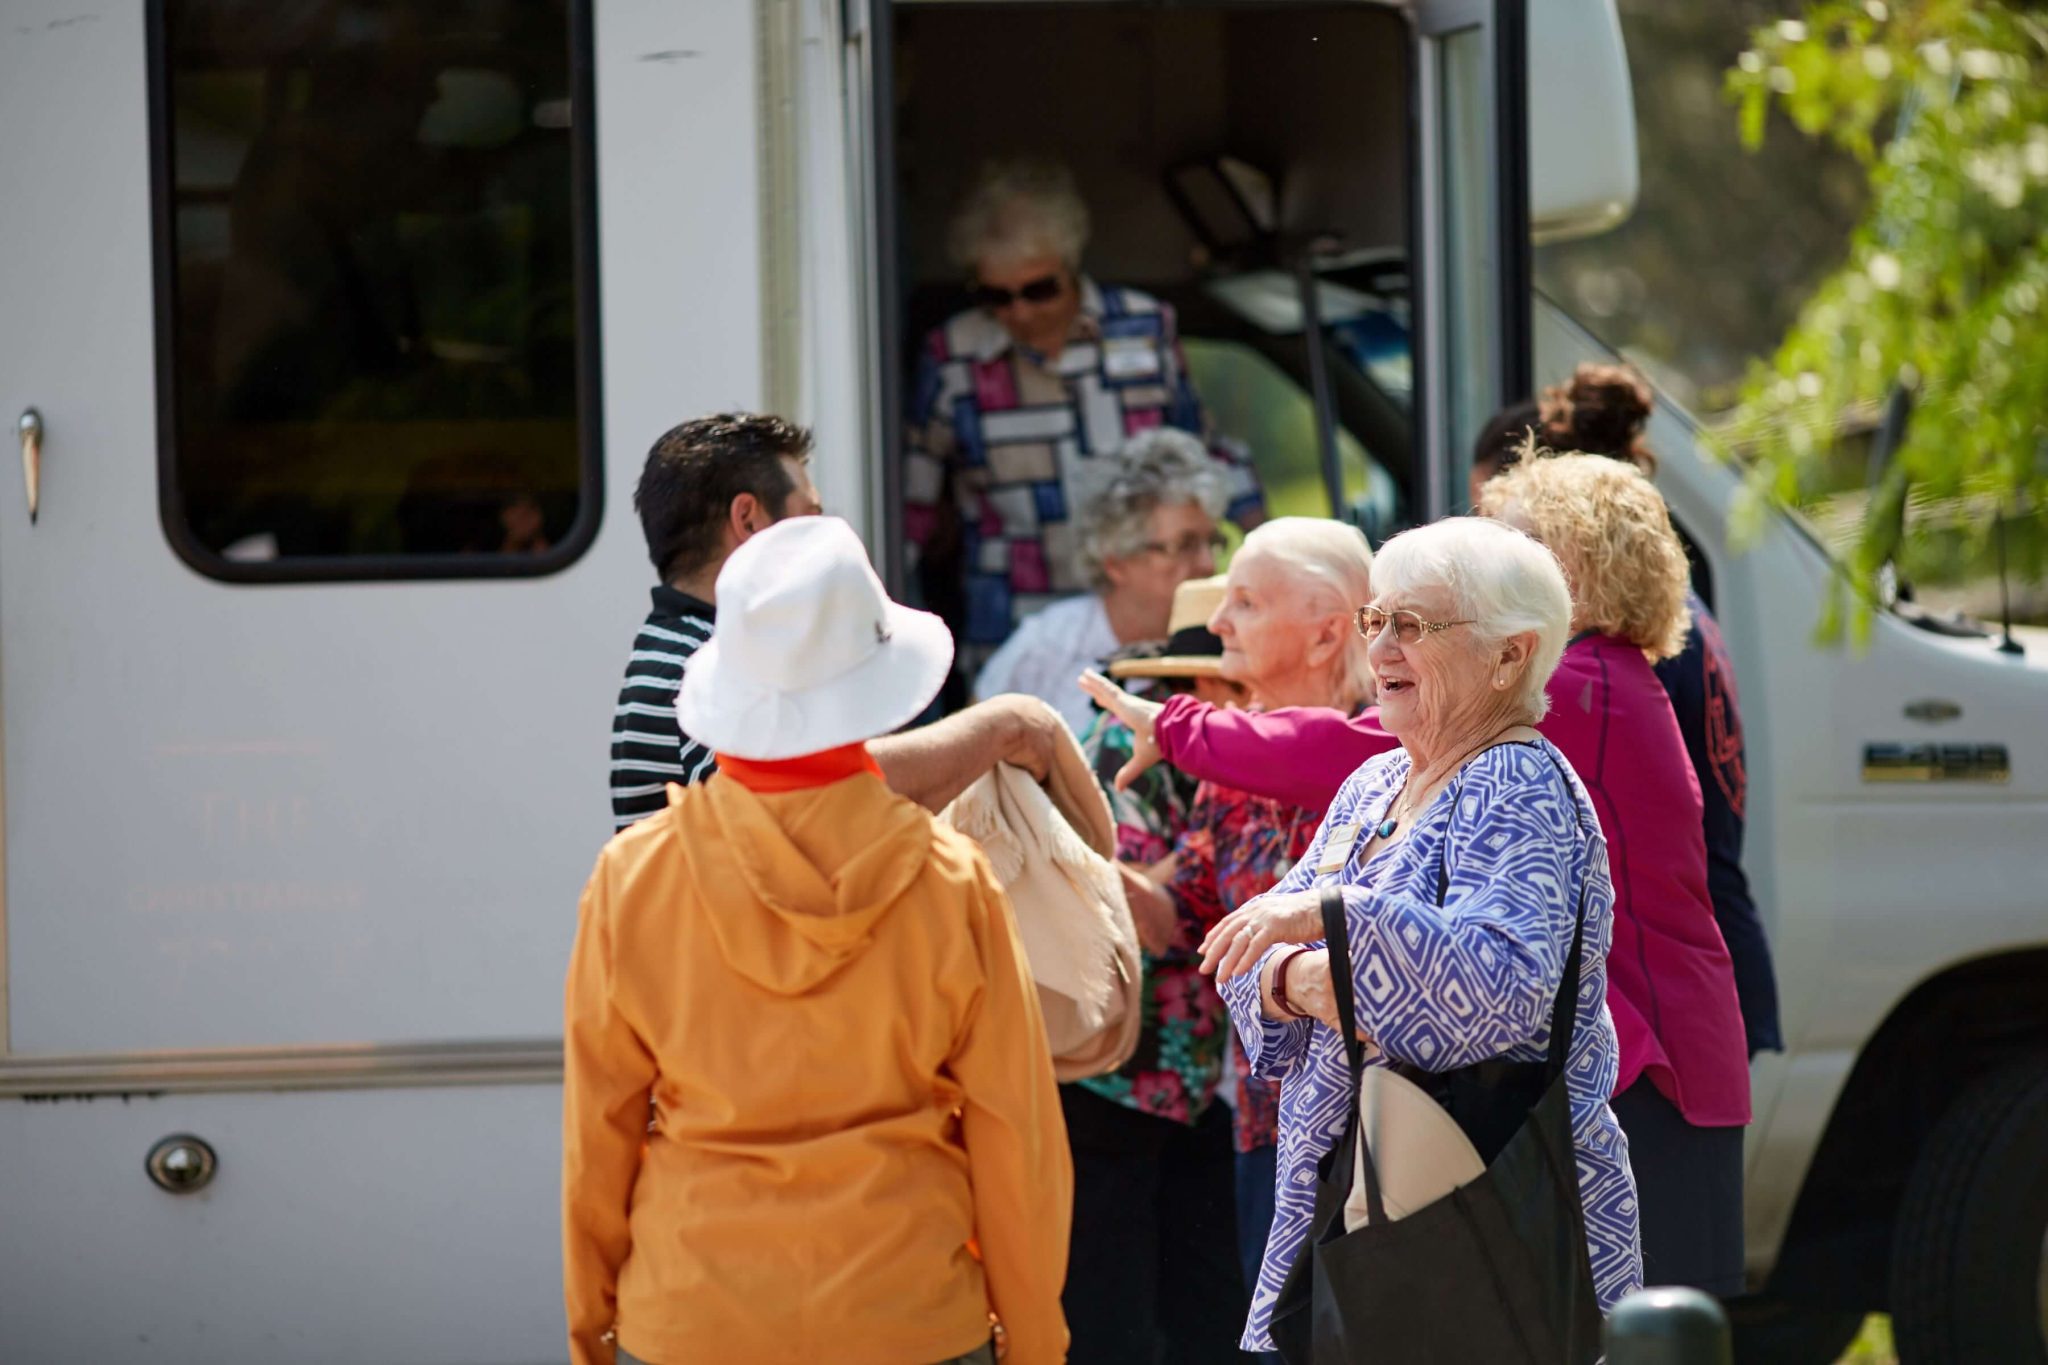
1248, 167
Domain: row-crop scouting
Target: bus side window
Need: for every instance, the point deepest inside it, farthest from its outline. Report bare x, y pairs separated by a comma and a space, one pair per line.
373, 348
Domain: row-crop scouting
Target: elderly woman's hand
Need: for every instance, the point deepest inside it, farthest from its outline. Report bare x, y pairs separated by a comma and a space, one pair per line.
1242, 937
1135, 712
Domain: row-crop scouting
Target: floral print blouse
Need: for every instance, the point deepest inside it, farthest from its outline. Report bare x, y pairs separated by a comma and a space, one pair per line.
1179, 1057
1236, 847
1231, 846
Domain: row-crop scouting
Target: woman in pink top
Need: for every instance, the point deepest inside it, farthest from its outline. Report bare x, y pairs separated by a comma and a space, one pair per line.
1683, 1092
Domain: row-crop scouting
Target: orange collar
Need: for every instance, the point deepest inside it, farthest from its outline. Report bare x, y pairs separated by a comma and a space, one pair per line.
821, 769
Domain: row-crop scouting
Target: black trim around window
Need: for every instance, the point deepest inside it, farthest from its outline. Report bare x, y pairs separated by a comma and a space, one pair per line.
1511, 196
583, 529
1421, 255
888, 276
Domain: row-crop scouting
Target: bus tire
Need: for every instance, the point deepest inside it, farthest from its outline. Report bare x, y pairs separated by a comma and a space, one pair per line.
1969, 1260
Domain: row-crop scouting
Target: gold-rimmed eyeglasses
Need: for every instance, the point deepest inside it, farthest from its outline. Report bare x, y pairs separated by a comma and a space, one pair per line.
1408, 626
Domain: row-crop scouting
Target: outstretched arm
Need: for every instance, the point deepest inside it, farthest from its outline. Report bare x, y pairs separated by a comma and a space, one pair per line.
1300, 754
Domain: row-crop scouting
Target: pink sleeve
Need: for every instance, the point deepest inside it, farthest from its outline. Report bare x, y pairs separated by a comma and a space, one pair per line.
1299, 754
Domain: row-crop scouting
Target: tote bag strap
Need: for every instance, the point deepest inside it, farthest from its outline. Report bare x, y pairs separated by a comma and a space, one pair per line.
1338, 939
1564, 1006
1564, 1012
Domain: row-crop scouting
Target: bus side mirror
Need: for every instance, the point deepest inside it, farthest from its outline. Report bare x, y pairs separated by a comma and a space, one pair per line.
1582, 120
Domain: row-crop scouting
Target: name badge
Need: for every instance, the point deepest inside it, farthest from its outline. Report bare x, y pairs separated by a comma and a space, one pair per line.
1337, 850
1133, 359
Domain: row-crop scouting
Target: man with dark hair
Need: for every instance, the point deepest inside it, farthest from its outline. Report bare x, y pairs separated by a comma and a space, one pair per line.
708, 485
711, 483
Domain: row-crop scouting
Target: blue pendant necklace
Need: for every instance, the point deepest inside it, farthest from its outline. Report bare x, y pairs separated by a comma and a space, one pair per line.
1385, 829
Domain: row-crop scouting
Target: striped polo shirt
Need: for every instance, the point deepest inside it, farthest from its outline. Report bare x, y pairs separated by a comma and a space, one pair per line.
649, 750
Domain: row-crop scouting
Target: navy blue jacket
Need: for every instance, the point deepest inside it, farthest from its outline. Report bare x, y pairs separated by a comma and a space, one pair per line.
1701, 684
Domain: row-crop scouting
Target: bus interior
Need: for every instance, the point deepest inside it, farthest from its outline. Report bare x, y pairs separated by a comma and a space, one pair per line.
1228, 154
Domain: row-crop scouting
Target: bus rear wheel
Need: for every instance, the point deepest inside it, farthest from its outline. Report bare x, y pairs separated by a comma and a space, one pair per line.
1970, 1250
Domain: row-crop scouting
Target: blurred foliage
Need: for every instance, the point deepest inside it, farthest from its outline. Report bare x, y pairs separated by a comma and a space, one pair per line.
1944, 103
1724, 244
1873, 1345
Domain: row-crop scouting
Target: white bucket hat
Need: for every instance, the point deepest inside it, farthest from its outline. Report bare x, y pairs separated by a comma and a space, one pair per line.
809, 653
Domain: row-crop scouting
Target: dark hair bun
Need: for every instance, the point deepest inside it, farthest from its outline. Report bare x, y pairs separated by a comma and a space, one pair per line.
1500, 441
1601, 412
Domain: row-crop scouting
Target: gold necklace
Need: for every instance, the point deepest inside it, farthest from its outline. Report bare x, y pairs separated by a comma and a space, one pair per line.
1385, 829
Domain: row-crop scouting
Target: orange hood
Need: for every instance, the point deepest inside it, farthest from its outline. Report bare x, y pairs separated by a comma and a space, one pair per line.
816, 871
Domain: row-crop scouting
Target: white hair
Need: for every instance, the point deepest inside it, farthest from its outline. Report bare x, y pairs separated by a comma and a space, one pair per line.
1163, 467
1019, 209
1337, 562
1504, 582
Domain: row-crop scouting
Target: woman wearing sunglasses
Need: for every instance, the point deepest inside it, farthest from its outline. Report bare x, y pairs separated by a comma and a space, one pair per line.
1682, 1092
1016, 396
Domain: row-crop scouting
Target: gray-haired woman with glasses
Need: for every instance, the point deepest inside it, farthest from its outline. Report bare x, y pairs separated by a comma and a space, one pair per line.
1150, 528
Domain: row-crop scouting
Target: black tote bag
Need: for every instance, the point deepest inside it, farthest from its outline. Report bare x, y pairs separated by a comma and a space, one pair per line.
1495, 1271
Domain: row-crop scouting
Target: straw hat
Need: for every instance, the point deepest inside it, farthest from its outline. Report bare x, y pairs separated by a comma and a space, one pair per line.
1192, 649
809, 652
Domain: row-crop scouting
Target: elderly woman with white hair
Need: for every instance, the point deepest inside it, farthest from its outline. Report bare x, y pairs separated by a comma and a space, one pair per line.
1015, 397
1154, 1266
1467, 873
1151, 528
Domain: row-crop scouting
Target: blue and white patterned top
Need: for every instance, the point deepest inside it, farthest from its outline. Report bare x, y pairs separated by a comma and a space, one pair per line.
1442, 987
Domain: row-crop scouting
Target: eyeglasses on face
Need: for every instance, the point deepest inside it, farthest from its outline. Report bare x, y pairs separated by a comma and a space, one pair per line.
1409, 628
1190, 546
1044, 289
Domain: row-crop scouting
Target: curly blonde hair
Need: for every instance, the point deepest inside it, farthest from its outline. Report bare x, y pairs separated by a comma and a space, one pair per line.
1610, 529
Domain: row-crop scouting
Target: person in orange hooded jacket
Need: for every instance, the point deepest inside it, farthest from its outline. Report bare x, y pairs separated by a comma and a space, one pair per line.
856, 1151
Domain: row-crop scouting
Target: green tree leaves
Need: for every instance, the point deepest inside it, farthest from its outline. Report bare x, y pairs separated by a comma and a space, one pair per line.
1945, 102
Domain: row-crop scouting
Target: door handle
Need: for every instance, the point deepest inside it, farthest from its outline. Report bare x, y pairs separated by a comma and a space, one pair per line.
31, 429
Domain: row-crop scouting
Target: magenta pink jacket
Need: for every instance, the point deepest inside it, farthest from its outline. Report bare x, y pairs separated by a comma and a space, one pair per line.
1671, 987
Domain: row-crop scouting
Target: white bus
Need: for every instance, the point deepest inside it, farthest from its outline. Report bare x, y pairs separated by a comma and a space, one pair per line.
336, 335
